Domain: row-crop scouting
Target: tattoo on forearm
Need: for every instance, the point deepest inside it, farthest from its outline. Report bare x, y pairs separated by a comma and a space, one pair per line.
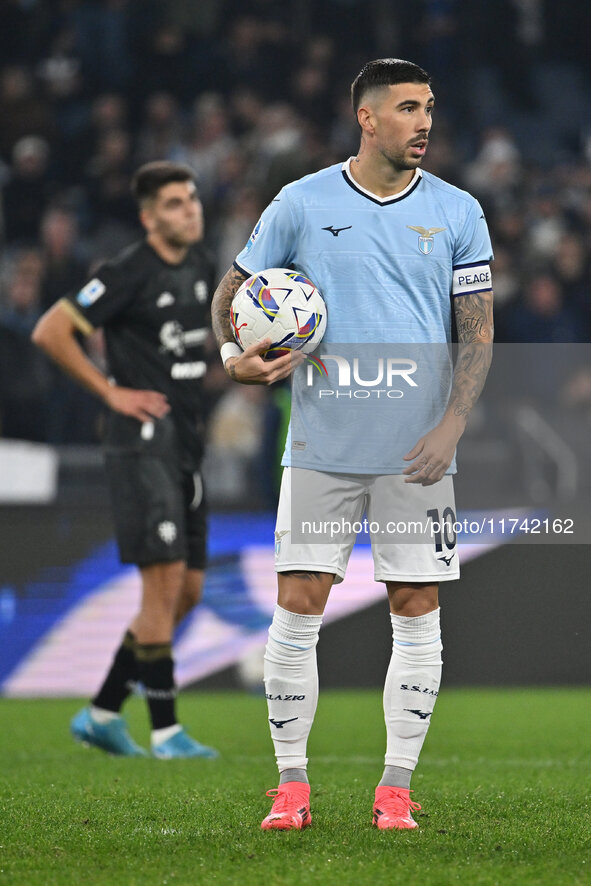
474, 321
220, 306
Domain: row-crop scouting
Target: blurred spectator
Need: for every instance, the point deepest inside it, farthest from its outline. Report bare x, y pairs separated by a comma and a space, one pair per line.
159, 136
166, 63
60, 73
108, 175
26, 194
255, 57
506, 278
64, 268
246, 106
544, 315
311, 84
495, 174
106, 113
23, 305
235, 226
19, 34
103, 39
211, 141
547, 224
22, 111
572, 267
25, 375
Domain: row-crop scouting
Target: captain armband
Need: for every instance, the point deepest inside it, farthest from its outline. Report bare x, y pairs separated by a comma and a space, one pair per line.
471, 279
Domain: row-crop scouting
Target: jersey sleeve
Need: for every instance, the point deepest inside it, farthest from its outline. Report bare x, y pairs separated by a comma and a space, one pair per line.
472, 254
272, 241
101, 299
473, 244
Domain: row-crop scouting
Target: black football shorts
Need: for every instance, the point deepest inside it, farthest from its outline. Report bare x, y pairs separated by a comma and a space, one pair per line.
160, 510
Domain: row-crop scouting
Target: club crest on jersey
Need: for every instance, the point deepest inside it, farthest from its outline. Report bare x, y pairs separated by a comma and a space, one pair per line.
426, 237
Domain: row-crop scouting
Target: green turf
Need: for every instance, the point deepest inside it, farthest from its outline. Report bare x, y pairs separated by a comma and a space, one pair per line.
504, 782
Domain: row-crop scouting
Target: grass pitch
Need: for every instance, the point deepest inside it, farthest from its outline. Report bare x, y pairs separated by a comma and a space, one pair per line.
504, 781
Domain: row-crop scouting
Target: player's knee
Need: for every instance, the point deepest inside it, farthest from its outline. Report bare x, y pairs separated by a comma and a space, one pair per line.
162, 584
412, 599
192, 589
304, 592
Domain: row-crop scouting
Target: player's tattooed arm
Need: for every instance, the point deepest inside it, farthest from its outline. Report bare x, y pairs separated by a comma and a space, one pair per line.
474, 322
220, 306
249, 368
432, 455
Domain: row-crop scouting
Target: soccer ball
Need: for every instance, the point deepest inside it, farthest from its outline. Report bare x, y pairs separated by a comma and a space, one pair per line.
282, 305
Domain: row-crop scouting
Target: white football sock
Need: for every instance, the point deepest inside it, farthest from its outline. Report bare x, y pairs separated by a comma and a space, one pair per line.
291, 684
412, 686
160, 735
102, 716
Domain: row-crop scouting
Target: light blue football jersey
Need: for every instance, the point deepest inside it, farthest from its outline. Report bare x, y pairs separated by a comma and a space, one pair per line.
388, 270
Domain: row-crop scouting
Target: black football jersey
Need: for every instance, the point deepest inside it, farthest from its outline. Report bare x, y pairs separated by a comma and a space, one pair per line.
155, 318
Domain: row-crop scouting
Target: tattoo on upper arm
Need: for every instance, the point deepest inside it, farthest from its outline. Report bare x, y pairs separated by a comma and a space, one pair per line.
220, 306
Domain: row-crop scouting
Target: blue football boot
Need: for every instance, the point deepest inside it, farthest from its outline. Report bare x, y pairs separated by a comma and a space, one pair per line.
181, 745
112, 737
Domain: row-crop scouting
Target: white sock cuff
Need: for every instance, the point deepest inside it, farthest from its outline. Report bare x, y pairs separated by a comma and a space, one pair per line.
294, 629
417, 631
102, 716
160, 735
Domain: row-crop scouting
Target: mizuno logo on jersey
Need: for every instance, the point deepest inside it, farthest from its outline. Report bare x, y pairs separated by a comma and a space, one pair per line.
447, 560
426, 237
336, 231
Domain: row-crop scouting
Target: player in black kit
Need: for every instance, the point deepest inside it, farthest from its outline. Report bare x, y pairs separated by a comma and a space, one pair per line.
152, 302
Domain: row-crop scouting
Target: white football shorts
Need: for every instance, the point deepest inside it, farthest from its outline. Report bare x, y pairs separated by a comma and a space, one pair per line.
411, 527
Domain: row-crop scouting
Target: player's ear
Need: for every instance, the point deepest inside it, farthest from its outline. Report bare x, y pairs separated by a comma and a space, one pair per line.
147, 219
365, 119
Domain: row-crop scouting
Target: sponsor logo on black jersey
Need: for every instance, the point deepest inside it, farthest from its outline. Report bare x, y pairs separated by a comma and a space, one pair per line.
174, 338
200, 290
165, 299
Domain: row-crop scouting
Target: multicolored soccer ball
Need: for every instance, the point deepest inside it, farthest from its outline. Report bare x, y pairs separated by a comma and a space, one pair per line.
282, 305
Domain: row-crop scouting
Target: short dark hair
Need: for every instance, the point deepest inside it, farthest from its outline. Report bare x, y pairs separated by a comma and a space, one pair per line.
385, 72
150, 177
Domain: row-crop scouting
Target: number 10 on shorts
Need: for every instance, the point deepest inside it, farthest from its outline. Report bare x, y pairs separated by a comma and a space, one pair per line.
444, 532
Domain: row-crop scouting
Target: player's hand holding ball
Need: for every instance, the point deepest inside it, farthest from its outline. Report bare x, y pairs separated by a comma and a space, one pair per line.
277, 316
251, 367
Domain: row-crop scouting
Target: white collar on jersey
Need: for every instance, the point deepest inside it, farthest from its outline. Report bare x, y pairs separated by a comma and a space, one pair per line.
346, 167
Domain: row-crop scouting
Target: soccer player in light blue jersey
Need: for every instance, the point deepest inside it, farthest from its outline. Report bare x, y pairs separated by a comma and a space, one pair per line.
395, 252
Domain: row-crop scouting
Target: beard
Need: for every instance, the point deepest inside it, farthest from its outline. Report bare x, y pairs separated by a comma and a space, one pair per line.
399, 160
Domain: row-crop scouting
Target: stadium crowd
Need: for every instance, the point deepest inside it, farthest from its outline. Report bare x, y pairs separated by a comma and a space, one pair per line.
251, 95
